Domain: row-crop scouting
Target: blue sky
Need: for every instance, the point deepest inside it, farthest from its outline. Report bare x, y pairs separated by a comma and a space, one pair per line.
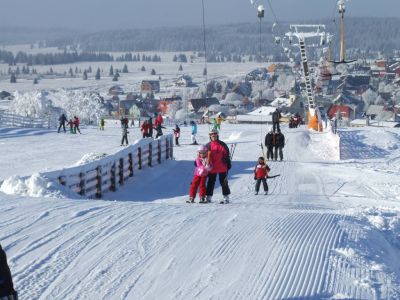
114, 14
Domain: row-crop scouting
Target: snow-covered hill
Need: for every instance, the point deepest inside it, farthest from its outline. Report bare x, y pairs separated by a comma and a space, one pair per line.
328, 229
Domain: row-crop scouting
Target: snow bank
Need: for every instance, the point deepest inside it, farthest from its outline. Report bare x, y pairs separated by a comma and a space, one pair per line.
35, 186
89, 157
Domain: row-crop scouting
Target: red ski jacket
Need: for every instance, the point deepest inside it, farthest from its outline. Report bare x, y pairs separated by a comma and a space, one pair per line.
219, 157
261, 171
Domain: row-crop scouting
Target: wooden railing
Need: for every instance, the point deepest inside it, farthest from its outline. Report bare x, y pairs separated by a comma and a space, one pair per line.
109, 173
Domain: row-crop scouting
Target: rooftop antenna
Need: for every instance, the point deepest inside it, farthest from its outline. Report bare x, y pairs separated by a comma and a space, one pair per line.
205, 48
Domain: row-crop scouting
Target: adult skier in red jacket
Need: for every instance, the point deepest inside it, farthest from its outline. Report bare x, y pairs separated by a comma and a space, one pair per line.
220, 162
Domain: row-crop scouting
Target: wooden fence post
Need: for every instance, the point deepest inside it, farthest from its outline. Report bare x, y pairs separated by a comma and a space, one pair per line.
113, 187
99, 182
171, 147
121, 171
130, 161
150, 153
81, 183
139, 154
167, 148
159, 151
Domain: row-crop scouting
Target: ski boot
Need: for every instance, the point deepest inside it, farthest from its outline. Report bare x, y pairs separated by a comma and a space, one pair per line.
202, 200
256, 193
209, 198
226, 200
266, 193
191, 200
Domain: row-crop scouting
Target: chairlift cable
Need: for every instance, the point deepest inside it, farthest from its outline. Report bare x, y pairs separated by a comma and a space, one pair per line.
204, 45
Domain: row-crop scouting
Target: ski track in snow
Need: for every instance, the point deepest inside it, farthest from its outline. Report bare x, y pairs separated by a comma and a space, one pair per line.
300, 241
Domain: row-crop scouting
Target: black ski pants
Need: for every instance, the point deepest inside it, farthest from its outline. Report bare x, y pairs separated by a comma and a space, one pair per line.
278, 149
176, 141
59, 127
223, 180
124, 138
276, 127
270, 152
264, 182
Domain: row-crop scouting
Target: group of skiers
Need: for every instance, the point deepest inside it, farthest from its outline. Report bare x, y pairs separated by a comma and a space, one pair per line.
148, 126
73, 124
274, 142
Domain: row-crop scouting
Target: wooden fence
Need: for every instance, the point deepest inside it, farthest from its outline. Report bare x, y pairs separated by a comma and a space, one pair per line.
109, 173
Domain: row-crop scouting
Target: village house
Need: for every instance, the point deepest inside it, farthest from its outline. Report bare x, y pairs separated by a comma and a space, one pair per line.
150, 86
201, 105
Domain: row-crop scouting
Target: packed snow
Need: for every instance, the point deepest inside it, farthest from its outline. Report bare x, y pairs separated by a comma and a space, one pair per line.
328, 229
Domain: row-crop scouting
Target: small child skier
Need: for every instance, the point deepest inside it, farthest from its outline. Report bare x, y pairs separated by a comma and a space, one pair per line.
71, 126
261, 174
200, 176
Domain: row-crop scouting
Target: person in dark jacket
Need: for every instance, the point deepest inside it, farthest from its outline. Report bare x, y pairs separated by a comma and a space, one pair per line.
220, 162
62, 119
150, 125
269, 143
276, 115
177, 133
125, 135
159, 130
6, 284
279, 140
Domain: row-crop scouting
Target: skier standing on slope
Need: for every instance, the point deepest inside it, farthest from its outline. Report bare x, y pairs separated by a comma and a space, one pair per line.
200, 176
145, 129
260, 175
276, 115
279, 144
76, 124
125, 135
150, 126
220, 161
6, 284
194, 132
62, 119
177, 133
269, 143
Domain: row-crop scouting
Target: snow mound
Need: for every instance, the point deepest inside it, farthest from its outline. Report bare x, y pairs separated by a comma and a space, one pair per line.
35, 186
89, 157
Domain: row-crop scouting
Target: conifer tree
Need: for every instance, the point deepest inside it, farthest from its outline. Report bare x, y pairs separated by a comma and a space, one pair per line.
125, 69
13, 78
84, 75
97, 76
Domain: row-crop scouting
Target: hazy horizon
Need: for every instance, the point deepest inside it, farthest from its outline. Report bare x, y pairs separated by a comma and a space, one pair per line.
124, 14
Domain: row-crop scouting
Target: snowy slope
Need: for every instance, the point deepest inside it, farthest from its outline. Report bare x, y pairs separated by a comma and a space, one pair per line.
327, 230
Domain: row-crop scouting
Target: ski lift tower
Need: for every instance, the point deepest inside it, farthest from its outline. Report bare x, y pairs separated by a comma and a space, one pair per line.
301, 33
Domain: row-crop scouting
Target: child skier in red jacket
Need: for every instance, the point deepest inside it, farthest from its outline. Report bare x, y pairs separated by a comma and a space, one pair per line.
200, 176
261, 174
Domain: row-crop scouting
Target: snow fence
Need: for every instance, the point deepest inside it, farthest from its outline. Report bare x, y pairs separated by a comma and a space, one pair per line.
95, 178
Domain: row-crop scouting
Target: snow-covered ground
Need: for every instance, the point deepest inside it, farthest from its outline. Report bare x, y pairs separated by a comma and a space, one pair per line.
328, 229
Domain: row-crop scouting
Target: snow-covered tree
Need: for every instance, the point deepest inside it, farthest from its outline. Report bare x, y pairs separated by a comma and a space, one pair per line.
369, 97
88, 106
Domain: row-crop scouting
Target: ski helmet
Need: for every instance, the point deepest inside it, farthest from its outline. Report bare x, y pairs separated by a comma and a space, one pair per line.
202, 149
213, 131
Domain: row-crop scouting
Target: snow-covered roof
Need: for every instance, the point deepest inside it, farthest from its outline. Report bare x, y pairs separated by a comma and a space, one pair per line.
263, 111
278, 102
